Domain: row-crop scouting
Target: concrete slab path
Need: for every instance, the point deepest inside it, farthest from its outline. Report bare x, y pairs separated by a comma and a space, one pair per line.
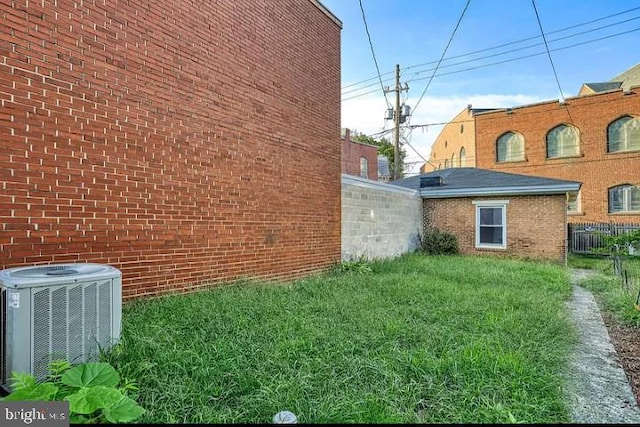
598, 388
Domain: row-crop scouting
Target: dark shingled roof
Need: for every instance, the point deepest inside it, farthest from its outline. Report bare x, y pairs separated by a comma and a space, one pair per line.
624, 80
603, 86
457, 181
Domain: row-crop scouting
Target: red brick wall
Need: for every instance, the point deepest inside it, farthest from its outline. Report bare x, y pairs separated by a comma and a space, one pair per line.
595, 168
179, 141
536, 225
352, 152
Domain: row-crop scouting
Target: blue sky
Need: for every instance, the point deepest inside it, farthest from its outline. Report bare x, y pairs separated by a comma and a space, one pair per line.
590, 41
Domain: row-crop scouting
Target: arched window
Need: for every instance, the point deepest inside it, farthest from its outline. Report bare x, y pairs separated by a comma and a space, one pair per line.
453, 160
623, 134
364, 167
510, 147
463, 157
624, 198
562, 141
446, 163
439, 166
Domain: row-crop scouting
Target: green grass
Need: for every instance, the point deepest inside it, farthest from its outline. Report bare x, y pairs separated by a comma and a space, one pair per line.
591, 262
614, 295
416, 340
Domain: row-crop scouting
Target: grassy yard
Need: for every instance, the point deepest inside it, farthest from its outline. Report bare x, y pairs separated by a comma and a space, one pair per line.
416, 340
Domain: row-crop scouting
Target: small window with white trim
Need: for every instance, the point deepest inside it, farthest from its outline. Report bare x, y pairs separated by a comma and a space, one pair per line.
491, 224
624, 198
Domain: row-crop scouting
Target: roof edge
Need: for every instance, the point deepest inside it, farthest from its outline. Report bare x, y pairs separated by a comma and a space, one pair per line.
500, 191
359, 142
327, 12
557, 101
376, 185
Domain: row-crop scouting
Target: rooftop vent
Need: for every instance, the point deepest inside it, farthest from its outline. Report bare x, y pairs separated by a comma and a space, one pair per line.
431, 181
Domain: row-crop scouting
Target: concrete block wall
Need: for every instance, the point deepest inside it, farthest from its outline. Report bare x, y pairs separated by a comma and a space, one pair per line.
379, 220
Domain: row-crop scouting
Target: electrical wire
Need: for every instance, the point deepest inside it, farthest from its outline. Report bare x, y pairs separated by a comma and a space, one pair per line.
509, 60
594, 101
505, 44
373, 53
453, 33
529, 46
546, 46
496, 54
553, 67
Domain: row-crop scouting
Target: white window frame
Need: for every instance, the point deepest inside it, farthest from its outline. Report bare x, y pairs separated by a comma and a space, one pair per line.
624, 191
479, 204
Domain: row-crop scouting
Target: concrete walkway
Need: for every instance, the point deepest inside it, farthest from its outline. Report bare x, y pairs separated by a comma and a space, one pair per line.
598, 388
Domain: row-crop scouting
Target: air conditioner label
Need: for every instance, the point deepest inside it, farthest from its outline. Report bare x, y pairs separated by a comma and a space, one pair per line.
14, 300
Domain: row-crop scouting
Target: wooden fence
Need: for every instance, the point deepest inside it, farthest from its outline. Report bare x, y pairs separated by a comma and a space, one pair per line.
583, 237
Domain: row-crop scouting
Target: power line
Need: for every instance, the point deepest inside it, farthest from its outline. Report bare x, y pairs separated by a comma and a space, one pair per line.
506, 166
420, 155
453, 33
536, 37
530, 46
540, 150
510, 60
546, 46
500, 53
553, 67
509, 51
373, 53
505, 44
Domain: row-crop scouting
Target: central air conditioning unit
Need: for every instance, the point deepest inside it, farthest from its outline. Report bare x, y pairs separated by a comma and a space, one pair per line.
57, 311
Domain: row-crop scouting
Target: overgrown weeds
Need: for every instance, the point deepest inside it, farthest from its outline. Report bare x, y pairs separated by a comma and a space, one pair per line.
416, 340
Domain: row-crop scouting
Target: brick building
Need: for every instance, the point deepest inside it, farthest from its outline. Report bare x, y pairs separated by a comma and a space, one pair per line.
496, 213
455, 145
358, 158
183, 143
594, 139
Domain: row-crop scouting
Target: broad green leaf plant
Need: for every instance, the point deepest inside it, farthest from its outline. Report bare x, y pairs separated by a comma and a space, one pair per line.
92, 389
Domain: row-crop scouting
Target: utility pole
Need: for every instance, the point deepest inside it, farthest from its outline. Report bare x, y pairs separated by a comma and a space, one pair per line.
396, 130
399, 116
